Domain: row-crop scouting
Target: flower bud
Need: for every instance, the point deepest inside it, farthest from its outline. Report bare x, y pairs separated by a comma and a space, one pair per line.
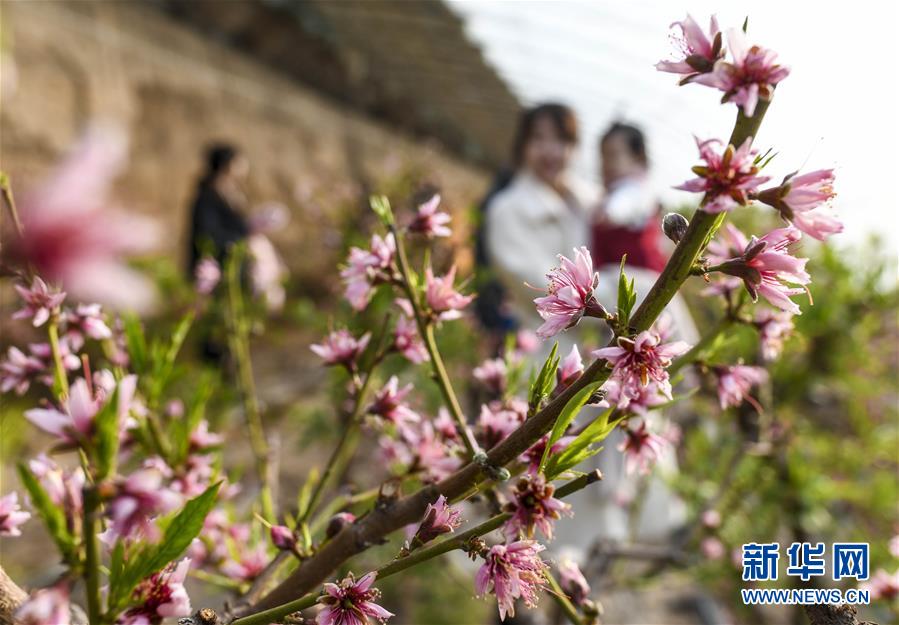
338, 522
283, 538
675, 226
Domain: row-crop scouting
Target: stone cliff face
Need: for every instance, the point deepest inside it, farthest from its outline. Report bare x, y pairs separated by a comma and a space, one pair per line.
176, 89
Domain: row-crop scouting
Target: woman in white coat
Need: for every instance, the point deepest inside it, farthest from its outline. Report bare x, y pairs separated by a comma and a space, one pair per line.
543, 211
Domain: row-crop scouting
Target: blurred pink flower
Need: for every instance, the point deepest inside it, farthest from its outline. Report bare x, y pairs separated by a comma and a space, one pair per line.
365, 269
341, 348
752, 73
727, 179
572, 581
698, 51
569, 294
160, 596
712, 548
799, 200
774, 327
86, 320
389, 404
894, 546
526, 342
407, 341
711, 518
636, 399
201, 438
72, 237
351, 602
250, 563
570, 369
40, 301
138, 499
495, 423
533, 507
430, 221
492, 374
735, 382
207, 275
63, 487
46, 606
641, 448
637, 362
269, 217
75, 420
283, 537
882, 585
18, 370
534, 454
512, 571
267, 271
443, 300
11, 515
439, 519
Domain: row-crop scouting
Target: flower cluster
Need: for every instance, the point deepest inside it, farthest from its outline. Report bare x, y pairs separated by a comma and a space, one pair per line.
351, 602
569, 295
512, 571
365, 269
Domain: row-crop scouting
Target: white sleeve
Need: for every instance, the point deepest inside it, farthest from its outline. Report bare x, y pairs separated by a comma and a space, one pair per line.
631, 205
514, 247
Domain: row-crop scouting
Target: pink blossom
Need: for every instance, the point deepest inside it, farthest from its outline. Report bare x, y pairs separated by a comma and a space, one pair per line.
46, 606
72, 237
443, 300
75, 420
534, 454
766, 266
365, 269
774, 327
407, 341
894, 546
570, 369
267, 271
751, 75
727, 179
569, 294
160, 596
11, 515
18, 370
572, 581
439, 519
637, 362
250, 563
283, 537
422, 448
800, 200
201, 438
207, 275
699, 52
63, 487
512, 571
43, 351
533, 507
351, 602
337, 522
492, 374
445, 425
269, 217
430, 221
711, 518
641, 448
712, 548
138, 499
341, 348
40, 302
882, 585
495, 423
86, 320
633, 399
389, 404
526, 342
734, 383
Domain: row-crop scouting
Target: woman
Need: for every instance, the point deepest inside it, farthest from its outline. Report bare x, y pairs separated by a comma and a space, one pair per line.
216, 219
541, 213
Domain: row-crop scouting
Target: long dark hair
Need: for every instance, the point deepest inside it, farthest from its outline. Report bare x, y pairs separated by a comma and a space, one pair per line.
218, 157
633, 138
562, 118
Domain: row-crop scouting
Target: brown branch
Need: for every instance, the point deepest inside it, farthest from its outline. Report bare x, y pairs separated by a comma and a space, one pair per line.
11, 597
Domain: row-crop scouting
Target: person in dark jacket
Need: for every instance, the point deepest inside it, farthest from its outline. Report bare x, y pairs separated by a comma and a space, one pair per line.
217, 222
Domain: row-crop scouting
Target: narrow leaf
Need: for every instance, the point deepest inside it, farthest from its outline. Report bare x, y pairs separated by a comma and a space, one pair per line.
53, 516
568, 414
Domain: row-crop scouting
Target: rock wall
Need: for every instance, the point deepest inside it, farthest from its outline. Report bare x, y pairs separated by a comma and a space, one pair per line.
175, 91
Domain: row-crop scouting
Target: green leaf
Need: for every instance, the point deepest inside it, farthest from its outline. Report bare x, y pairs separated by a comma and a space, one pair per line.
381, 206
582, 447
52, 515
164, 357
542, 385
107, 436
177, 536
627, 296
136, 342
569, 412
